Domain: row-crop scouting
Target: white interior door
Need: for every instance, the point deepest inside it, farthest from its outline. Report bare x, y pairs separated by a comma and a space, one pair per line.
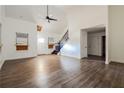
93, 45
84, 44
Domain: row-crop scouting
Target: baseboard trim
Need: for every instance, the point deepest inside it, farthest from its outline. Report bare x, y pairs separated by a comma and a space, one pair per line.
20, 58
116, 62
41, 54
70, 56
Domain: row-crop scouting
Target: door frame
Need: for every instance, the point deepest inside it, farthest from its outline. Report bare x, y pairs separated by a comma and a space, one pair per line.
106, 34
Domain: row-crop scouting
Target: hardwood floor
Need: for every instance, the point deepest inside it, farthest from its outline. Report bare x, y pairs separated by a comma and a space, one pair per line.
93, 57
59, 71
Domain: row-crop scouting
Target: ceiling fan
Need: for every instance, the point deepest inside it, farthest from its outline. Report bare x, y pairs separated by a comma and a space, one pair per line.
48, 18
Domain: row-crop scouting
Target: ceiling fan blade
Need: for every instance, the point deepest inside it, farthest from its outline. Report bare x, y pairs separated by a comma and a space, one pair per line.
53, 19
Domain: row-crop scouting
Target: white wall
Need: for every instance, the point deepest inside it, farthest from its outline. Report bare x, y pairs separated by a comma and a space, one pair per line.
0, 47
95, 43
2, 13
0, 30
43, 46
116, 33
80, 17
10, 27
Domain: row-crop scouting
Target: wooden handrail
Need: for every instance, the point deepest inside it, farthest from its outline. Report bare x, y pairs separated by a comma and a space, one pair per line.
63, 36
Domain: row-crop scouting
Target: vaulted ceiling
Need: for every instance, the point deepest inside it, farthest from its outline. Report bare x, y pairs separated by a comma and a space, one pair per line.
37, 14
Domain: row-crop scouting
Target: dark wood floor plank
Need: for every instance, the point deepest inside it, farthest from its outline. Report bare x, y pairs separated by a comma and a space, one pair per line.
60, 72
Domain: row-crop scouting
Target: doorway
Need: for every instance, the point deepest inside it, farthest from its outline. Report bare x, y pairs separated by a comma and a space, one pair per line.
93, 43
103, 46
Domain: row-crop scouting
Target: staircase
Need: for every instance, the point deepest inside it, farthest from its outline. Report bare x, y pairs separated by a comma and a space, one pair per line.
60, 44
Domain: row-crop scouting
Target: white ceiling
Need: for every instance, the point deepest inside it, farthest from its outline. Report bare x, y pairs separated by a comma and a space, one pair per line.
37, 13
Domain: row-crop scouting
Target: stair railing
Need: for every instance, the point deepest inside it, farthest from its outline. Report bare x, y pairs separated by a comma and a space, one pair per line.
61, 43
